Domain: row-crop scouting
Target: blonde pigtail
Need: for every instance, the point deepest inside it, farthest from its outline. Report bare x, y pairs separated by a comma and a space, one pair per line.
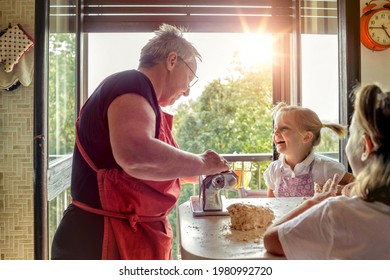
339, 129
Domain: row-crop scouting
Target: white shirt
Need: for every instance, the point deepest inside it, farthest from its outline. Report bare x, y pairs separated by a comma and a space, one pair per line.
339, 228
323, 169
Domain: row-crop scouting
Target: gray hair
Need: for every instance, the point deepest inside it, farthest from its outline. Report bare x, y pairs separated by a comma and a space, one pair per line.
168, 39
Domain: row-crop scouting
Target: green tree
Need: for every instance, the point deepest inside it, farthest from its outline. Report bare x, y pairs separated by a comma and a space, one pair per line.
62, 53
233, 115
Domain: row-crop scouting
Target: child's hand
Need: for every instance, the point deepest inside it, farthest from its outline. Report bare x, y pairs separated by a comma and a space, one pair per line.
328, 189
317, 188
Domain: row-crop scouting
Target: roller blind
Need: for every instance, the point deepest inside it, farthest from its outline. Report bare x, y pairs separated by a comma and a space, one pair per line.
265, 16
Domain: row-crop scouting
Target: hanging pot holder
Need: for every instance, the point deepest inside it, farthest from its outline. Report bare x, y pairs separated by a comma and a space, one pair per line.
14, 43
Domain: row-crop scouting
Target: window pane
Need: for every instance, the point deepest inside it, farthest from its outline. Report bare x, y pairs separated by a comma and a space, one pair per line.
61, 94
320, 85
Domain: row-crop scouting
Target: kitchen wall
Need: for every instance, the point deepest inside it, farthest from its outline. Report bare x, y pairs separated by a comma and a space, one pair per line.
16, 151
16, 140
375, 65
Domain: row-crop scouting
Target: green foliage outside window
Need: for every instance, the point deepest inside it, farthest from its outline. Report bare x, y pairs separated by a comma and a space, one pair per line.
233, 115
62, 54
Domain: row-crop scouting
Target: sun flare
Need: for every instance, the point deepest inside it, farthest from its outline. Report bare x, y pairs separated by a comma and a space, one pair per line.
255, 50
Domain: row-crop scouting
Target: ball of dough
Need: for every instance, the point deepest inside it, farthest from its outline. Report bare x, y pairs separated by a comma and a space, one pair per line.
247, 217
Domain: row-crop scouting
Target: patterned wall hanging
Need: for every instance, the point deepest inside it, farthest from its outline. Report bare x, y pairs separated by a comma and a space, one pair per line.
14, 43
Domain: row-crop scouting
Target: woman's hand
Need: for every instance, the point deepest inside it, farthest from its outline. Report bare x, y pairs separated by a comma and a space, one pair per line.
214, 163
347, 190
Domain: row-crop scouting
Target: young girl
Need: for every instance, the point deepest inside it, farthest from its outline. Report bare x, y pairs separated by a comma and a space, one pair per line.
296, 131
342, 227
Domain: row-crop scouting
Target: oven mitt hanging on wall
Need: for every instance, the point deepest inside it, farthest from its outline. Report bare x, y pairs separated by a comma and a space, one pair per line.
22, 74
14, 43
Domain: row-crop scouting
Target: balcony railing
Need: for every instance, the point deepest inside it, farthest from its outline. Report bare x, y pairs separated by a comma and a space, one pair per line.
59, 173
249, 168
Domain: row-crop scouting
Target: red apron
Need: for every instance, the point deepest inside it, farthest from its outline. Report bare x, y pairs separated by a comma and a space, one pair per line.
135, 212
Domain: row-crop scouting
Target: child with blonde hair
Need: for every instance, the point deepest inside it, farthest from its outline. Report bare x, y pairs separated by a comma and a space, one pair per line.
296, 131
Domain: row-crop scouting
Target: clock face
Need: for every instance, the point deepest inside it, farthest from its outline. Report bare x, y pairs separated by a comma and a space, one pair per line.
379, 27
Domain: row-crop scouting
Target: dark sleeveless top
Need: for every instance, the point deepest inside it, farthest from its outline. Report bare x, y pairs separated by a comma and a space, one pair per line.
94, 133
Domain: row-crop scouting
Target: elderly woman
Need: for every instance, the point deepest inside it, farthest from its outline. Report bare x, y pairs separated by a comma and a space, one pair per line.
126, 164
347, 227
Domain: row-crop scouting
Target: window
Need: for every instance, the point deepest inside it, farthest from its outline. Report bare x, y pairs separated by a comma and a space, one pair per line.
320, 86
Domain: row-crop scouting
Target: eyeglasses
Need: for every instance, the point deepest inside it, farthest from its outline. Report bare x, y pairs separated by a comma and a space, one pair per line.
195, 79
